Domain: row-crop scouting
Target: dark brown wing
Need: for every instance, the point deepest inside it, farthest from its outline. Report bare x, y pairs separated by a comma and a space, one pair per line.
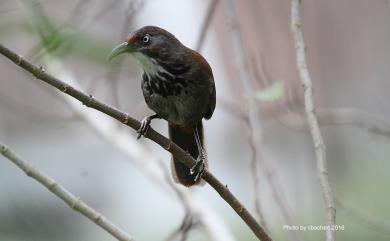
207, 75
211, 104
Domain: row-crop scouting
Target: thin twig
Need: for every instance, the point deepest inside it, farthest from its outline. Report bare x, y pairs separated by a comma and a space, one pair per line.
255, 174
112, 74
366, 219
241, 65
354, 117
338, 116
346, 116
268, 165
206, 24
254, 123
73, 202
268, 169
126, 119
315, 131
189, 222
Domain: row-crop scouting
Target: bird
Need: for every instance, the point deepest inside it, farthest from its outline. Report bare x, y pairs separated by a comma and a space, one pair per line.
178, 85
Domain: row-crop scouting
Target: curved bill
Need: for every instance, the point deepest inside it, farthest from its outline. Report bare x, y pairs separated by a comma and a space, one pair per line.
120, 49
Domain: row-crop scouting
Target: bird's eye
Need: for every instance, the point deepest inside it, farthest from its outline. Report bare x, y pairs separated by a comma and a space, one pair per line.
146, 39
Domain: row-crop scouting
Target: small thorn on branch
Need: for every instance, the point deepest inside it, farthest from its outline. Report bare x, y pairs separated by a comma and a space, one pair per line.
125, 119
65, 88
98, 219
76, 204
29, 171
52, 186
19, 60
3, 149
90, 100
169, 146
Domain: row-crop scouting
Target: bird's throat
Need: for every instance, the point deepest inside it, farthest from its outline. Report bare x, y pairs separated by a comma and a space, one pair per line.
149, 65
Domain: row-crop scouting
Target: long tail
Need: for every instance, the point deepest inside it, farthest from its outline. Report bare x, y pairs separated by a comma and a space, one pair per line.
185, 138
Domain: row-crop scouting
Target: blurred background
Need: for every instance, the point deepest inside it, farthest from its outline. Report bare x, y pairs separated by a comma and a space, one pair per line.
268, 164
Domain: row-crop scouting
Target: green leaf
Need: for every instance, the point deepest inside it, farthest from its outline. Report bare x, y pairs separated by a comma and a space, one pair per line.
271, 93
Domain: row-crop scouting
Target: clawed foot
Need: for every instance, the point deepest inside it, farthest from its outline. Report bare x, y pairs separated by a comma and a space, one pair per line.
199, 167
145, 124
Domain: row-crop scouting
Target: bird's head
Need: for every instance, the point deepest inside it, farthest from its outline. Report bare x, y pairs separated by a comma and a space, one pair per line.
150, 45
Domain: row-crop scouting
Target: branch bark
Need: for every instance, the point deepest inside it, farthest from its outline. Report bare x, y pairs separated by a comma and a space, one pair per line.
125, 119
73, 202
320, 149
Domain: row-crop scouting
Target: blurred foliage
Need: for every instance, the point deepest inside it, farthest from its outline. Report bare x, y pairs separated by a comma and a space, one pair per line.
60, 40
271, 93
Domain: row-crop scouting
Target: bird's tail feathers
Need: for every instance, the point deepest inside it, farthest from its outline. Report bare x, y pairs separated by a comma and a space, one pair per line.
184, 136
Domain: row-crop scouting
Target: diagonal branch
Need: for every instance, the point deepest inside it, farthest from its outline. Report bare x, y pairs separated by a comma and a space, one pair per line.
72, 201
149, 163
165, 143
315, 131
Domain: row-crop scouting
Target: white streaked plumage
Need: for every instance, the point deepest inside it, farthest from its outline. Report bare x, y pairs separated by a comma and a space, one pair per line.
150, 65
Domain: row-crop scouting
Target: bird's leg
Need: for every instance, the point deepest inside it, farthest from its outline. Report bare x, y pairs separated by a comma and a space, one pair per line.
198, 168
145, 124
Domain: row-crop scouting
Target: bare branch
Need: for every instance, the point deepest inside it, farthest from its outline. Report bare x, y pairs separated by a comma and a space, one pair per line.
315, 131
126, 119
151, 165
73, 202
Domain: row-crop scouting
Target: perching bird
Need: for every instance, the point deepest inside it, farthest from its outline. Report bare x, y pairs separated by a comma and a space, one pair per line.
178, 85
